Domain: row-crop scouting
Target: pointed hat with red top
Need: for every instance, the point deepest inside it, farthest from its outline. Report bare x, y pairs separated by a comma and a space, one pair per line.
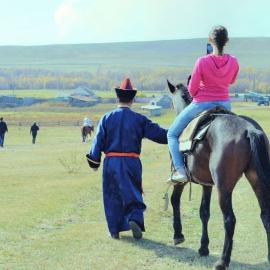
126, 91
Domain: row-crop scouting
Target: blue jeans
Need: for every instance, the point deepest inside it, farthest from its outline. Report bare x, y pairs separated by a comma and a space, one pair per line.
2, 137
181, 122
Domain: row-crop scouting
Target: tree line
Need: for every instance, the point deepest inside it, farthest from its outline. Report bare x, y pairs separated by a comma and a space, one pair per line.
107, 78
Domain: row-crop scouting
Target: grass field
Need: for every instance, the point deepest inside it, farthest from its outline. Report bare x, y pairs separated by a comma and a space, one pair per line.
51, 214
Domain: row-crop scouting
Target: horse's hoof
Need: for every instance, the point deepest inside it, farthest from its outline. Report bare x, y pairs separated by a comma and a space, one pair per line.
180, 240
220, 265
203, 252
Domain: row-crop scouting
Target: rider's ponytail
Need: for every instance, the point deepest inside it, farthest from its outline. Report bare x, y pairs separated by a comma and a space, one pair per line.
219, 35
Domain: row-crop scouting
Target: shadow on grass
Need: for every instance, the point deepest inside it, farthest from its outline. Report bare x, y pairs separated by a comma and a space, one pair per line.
189, 256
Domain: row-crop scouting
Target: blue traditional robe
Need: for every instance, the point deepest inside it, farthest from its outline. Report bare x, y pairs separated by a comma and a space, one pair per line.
122, 131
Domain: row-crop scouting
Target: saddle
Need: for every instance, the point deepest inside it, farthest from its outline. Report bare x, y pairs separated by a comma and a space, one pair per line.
197, 128
195, 132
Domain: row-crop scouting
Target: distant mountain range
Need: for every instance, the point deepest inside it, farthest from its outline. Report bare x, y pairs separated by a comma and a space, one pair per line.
253, 52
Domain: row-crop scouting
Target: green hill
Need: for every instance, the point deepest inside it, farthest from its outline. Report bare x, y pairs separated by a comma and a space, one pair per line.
173, 53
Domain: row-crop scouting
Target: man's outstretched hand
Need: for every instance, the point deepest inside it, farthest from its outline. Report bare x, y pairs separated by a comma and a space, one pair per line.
92, 163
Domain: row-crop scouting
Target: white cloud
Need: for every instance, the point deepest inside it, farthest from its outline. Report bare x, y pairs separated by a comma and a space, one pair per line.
66, 18
116, 20
127, 20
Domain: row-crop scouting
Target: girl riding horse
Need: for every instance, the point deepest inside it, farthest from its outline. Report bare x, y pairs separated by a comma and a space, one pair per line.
209, 88
233, 146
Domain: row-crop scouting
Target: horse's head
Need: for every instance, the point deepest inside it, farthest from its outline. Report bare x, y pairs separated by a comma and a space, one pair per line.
180, 96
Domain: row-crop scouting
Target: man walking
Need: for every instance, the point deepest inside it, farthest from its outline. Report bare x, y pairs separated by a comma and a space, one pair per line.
119, 136
34, 129
3, 130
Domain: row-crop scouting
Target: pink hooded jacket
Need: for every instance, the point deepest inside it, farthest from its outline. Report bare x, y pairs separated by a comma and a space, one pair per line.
212, 76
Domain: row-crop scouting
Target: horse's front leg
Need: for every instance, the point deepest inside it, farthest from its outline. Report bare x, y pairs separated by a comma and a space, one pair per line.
205, 215
177, 225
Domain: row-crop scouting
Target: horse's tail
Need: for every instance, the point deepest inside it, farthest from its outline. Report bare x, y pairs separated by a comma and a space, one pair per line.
260, 153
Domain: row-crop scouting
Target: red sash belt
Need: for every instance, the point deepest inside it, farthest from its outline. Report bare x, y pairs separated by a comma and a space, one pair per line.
117, 154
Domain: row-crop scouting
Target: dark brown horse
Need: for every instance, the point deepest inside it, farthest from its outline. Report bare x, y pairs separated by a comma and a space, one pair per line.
233, 146
86, 130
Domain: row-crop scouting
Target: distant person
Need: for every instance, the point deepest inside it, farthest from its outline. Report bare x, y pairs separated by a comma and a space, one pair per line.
3, 130
87, 122
119, 135
87, 128
33, 130
209, 87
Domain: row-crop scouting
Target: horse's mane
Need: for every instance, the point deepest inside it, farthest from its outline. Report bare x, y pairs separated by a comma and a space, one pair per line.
185, 94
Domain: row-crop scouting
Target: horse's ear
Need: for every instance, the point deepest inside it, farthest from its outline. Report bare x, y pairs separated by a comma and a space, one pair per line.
171, 87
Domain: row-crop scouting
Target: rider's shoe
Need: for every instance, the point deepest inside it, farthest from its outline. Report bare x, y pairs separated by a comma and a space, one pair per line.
177, 178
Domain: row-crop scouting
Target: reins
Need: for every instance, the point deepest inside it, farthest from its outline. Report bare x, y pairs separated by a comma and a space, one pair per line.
166, 195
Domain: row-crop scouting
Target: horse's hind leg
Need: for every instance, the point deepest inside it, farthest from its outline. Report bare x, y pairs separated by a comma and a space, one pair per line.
263, 197
226, 170
225, 202
177, 225
205, 215
225, 181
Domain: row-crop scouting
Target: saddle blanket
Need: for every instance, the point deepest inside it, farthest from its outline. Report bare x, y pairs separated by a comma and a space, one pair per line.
197, 128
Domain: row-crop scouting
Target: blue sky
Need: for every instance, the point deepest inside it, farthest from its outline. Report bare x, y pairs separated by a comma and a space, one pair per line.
34, 22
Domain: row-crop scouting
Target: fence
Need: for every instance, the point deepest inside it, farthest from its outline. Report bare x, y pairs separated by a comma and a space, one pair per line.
45, 123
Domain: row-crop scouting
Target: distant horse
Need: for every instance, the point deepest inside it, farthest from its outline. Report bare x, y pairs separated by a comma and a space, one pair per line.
86, 130
233, 145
